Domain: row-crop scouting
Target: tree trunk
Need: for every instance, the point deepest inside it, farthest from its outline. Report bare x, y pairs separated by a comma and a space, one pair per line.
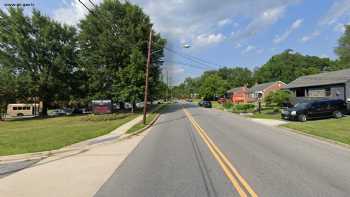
121, 105
44, 110
133, 106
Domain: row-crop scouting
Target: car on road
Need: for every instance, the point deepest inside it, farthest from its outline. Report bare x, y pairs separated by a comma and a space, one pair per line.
306, 110
206, 104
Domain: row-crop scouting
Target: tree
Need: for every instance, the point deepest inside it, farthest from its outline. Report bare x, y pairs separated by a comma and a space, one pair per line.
40, 50
236, 76
107, 38
343, 50
129, 81
290, 65
213, 86
278, 97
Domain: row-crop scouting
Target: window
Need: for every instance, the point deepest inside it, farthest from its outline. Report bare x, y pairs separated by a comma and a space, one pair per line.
14, 108
19, 108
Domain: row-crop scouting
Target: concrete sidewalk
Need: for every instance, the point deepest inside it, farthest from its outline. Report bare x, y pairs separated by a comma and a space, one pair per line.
79, 172
269, 122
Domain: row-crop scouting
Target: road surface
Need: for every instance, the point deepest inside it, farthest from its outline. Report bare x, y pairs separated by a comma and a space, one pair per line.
202, 152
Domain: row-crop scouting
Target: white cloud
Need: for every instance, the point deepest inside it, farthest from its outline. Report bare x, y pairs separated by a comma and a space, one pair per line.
224, 22
248, 49
208, 39
310, 37
184, 20
280, 38
338, 10
339, 28
261, 22
71, 13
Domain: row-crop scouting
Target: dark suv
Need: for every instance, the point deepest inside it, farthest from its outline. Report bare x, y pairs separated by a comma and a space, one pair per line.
315, 109
206, 104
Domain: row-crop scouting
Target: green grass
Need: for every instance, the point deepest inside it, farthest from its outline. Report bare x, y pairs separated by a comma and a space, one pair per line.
27, 136
217, 105
150, 117
267, 113
334, 129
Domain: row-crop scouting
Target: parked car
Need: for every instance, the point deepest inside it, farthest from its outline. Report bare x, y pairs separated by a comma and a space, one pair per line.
306, 110
200, 103
206, 104
61, 112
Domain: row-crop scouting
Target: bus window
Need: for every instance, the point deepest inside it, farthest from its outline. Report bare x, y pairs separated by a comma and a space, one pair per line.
28, 108
14, 108
19, 108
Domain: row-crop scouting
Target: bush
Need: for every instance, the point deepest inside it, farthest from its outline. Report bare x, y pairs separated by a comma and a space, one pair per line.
279, 97
244, 108
228, 105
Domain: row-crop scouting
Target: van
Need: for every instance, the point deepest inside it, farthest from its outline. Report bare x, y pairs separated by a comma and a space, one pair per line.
20, 110
306, 110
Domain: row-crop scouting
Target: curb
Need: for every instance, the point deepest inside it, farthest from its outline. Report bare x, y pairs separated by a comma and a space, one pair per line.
127, 136
45, 154
318, 138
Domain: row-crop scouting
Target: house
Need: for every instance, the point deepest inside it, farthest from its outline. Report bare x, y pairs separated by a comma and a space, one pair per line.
334, 85
238, 95
264, 89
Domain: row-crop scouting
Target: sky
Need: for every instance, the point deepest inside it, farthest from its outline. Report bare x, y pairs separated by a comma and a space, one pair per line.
230, 33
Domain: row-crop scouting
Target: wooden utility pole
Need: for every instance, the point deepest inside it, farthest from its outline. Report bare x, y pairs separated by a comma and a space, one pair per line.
146, 80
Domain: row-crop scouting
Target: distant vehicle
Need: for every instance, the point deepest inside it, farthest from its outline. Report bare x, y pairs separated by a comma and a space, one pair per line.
306, 110
221, 100
19, 110
62, 112
200, 103
206, 104
102, 106
80, 111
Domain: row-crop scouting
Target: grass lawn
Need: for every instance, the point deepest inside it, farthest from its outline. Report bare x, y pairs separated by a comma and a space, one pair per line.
268, 113
27, 136
150, 117
334, 129
217, 105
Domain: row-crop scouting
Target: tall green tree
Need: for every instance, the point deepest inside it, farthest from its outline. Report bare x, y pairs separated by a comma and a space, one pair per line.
41, 50
130, 80
290, 65
213, 86
343, 50
107, 38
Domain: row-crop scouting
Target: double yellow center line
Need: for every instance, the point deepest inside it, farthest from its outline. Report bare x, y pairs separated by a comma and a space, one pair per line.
239, 183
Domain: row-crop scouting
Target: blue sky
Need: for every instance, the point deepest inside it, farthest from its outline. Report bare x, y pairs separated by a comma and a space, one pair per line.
229, 32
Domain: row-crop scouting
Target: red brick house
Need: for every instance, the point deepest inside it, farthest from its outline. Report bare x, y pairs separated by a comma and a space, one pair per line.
239, 95
264, 89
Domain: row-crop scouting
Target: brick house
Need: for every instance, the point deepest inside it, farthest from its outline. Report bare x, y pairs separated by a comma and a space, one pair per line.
238, 95
264, 89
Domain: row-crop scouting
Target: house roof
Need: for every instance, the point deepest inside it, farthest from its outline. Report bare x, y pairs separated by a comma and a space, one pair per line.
327, 78
261, 87
233, 90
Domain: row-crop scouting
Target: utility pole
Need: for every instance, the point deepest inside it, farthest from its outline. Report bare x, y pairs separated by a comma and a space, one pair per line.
146, 80
167, 85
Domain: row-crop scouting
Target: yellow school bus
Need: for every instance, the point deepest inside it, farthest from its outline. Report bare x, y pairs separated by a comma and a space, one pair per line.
20, 109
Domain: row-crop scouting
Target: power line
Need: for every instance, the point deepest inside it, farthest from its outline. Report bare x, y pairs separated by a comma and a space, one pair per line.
189, 65
193, 58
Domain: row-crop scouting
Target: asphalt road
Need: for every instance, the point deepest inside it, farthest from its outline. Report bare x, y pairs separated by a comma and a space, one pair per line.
183, 156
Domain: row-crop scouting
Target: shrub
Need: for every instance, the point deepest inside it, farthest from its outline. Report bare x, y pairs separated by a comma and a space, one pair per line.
228, 105
244, 108
278, 97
